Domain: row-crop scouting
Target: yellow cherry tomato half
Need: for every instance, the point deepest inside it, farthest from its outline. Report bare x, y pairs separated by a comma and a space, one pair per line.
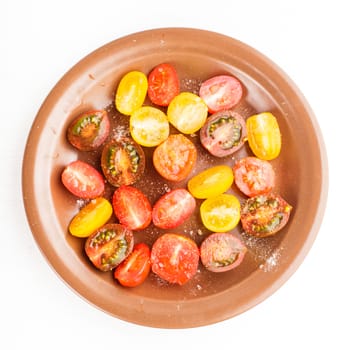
187, 112
149, 126
211, 182
221, 213
131, 92
264, 136
91, 217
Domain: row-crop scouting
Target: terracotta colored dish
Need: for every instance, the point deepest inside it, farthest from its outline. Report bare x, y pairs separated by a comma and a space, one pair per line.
301, 171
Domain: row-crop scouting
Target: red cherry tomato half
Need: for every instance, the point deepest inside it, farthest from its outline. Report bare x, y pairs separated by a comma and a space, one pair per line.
83, 180
222, 252
254, 176
265, 215
173, 208
221, 92
109, 246
132, 208
223, 133
89, 130
135, 268
163, 84
174, 258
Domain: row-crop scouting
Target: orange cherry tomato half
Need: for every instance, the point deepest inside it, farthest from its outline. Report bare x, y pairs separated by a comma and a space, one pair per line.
163, 84
174, 258
135, 268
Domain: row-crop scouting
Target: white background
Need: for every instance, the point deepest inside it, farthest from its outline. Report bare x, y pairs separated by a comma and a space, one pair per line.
40, 40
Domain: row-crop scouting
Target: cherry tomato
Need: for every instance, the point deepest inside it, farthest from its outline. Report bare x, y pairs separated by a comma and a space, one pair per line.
109, 246
175, 158
222, 252
149, 126
91, 217
173, 208
264, 136
254, 176
221, 92
223, 133
83, 180
89, 131
174, 258
163, 84
132, 208
187, 112
265, 215
135, 268
122, 162
220, 213
131, 92
211, 182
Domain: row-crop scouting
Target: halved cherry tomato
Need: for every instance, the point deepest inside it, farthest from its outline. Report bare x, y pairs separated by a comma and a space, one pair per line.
265, 215
220, 213
132, 208
254, 176
222, 252
173, 208
94, 215
149, 126
187, 112
221, 92
211, 182
174, 258
223, 133
131, 92
264, 136
163, 84
83, 180
109, 246
175, 158
135, 268
89, 130
122, 161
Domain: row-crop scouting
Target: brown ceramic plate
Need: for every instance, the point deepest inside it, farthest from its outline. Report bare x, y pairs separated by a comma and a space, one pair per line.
197, 55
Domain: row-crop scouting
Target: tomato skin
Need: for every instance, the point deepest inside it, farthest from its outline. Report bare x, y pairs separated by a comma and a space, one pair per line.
108, 246
187, 112
211, 182
134, 270
220, 213
222, 252
175, 158
265, 215
173, 208
221, 92
174, 258
122, 161
132, 208
83, 180
264, 136
89, 130
149, 126
131, 92
254, 176
94, 215
163, 84
223, 133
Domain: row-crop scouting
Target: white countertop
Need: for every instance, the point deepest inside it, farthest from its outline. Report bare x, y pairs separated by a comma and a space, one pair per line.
41, 40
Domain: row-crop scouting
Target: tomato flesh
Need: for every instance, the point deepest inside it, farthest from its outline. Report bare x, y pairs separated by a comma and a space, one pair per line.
134, 270
83, 180
173, 208
132, 208
109, 246
174, 258
222, 252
